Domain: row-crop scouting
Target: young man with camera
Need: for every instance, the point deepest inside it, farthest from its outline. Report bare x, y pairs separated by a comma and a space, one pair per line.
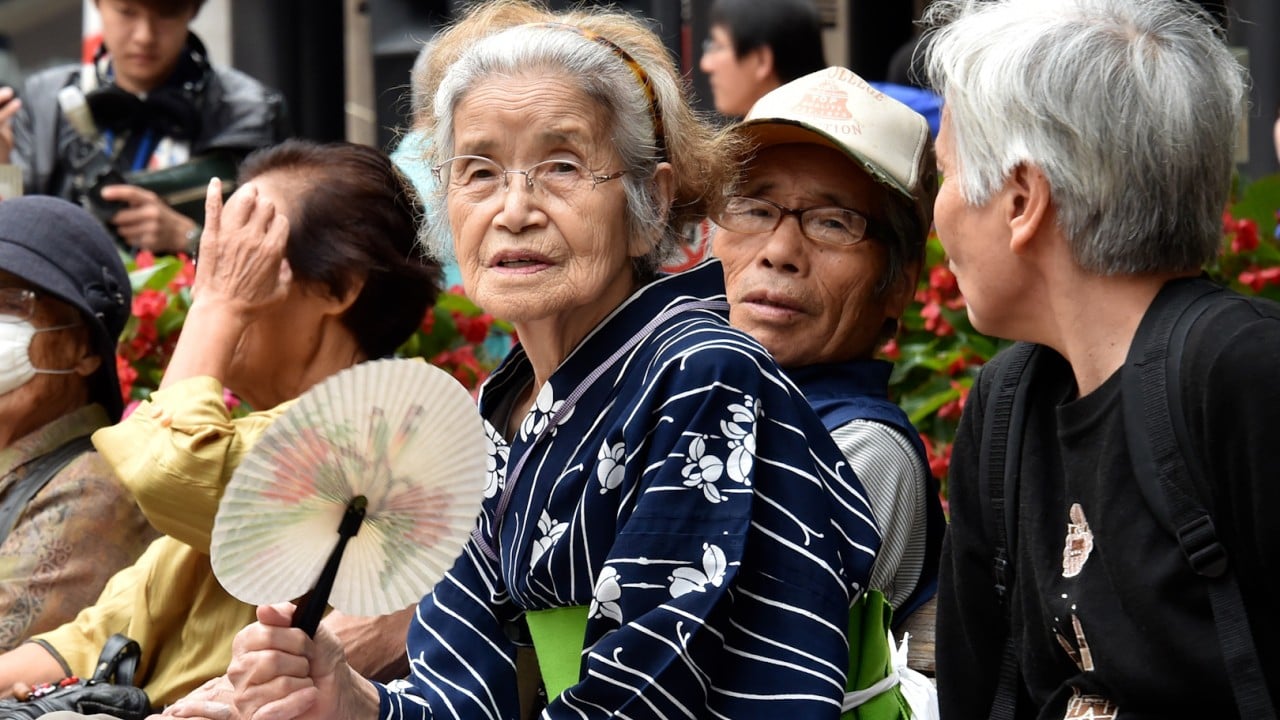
149, 119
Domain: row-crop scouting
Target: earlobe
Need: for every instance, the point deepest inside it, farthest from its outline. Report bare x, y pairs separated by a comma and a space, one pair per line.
664, 190
763, 57
1029, 205
89, 362
340, 305
900, 295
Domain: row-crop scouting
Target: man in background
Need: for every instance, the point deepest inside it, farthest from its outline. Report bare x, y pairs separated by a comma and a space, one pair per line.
755, 47
150, 101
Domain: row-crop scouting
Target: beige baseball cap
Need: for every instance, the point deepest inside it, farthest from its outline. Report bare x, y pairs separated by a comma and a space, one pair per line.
837, 108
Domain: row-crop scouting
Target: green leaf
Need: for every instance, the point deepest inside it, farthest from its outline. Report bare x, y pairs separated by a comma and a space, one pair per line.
1259, 202
156, 277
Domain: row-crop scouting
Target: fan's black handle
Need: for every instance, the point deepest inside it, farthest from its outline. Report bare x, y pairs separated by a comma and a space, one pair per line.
308, 616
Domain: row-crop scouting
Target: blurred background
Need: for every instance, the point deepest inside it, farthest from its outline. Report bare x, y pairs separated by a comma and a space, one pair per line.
344, 65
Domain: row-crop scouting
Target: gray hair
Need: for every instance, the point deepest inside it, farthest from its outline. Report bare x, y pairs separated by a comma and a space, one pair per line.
1130, 108
605, 78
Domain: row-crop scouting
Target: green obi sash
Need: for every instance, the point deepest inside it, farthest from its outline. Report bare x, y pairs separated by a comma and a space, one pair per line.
871, 688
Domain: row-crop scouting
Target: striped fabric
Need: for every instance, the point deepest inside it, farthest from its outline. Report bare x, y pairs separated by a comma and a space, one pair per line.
895, 479
689, 496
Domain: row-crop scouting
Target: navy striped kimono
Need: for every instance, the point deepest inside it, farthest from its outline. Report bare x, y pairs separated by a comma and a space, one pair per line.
670, 478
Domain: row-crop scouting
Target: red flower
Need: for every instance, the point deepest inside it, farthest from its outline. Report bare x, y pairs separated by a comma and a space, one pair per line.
891, 351
933, 320
144, 259
943, 280
940, 459
186, 276
127, 376
1257, 279
148, 304
1245, 238
475, 329
428, 321
951, 410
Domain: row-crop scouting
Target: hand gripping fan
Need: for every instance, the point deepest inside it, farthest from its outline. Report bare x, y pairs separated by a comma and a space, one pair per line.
360, 495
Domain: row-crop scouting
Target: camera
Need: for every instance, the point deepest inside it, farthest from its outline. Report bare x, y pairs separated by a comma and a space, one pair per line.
91, 171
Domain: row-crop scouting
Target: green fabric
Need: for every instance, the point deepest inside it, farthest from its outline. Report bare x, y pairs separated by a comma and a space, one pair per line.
870, 660
558, 635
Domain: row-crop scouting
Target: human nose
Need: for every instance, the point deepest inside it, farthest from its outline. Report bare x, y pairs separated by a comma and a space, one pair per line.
518, 209
785, 247
144, 30
527, 181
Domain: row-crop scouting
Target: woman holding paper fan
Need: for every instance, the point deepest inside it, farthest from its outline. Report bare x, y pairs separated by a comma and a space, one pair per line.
310, 268
656, 483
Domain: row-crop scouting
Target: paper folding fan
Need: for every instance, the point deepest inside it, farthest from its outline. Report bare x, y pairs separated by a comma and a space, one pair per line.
370, 483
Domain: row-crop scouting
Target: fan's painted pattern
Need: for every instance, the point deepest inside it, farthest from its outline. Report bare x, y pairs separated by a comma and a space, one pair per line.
402, 433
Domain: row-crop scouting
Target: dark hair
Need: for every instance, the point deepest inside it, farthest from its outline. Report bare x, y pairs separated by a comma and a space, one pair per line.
172, 7
792, 29
356, 219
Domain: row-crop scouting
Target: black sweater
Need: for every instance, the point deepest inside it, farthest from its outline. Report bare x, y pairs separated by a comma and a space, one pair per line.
1144, 616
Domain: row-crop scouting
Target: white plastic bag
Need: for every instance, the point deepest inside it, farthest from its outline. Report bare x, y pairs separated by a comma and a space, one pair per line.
917, 689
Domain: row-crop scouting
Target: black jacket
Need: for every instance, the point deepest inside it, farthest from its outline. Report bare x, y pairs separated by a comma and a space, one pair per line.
237, 114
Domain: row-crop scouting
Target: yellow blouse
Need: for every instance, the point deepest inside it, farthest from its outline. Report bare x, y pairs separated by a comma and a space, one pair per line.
175, 453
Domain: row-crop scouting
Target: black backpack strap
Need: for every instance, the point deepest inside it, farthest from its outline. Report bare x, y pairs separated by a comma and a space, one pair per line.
1156, 434
999, 461
40, 471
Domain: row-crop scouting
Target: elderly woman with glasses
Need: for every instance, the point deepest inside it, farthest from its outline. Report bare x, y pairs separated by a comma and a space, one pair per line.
665, 516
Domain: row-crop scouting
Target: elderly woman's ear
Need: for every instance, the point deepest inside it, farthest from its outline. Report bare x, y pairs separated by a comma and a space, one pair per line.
89, 361
664, 192
338, 304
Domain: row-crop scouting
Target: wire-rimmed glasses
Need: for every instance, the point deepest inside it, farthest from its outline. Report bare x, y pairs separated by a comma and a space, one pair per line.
829, 224
477, 179
17, 304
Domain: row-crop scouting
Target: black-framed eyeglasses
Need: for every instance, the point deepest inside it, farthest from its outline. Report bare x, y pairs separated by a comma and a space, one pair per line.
477, 179
17, 304
829, 224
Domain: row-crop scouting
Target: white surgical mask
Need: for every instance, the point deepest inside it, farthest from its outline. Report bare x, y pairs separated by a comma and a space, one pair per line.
16, 369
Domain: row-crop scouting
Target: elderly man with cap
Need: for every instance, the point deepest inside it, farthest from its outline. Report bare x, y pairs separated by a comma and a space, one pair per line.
822, 244
66, 524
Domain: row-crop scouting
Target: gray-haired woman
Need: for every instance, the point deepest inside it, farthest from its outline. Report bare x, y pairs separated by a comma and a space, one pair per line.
659, 493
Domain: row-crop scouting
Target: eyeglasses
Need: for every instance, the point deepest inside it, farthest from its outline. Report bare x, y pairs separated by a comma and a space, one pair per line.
828, 224
711, 47
16, 304
476, 179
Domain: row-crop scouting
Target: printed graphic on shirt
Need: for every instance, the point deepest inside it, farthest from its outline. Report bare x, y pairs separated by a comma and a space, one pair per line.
1079, 653
1079, 543
1090, 707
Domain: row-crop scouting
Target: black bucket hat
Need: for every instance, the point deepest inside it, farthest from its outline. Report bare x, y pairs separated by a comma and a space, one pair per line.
61, 249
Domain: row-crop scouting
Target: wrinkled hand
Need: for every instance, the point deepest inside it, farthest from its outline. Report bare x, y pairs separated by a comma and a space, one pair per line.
213, 700
148, 223
373, 646
279, 673
7, 111
242, 260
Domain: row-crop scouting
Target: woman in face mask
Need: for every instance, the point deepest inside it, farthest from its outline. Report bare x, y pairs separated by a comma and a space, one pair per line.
66, 525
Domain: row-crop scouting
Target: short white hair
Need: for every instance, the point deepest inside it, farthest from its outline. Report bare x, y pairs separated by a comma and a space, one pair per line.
1129, 107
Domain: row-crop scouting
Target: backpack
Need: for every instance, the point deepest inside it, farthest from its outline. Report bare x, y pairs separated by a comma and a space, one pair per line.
1164, 463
